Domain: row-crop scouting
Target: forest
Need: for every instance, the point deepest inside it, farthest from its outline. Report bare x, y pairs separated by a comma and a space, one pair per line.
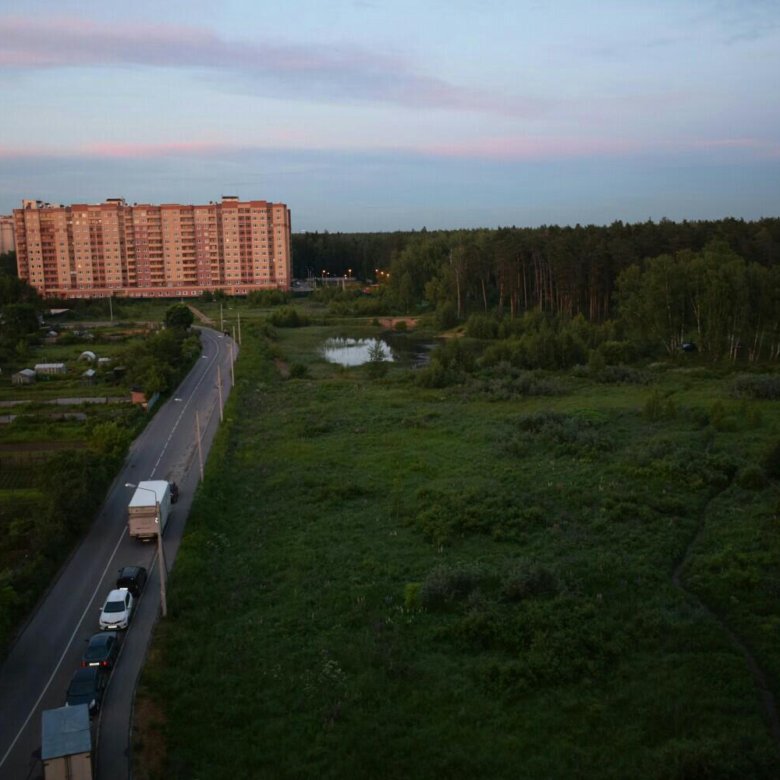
713, 286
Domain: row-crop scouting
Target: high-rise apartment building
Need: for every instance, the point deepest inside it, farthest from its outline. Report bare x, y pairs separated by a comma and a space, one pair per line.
170, 250
6, 235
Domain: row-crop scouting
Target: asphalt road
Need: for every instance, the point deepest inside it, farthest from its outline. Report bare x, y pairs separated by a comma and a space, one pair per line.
39, 666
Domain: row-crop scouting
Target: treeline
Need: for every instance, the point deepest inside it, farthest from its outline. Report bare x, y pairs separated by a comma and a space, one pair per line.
620, 244
712, 284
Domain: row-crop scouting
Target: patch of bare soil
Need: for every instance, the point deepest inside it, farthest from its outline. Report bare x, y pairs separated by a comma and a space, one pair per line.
283, 368
391, 322
149, 748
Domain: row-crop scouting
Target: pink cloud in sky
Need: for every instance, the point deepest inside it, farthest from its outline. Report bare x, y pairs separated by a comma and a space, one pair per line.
115, 150
529, 148
509, 149
328, 72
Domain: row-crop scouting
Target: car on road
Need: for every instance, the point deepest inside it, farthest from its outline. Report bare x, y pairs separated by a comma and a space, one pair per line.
87, 687
102, 650
174, 492
133, 578
115, 614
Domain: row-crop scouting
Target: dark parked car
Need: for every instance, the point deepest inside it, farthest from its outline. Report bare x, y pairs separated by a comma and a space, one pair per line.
133, 578
87, 687
174, 492
102, 650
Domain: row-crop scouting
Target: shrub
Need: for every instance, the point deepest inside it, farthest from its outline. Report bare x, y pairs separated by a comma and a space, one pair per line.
446, 316
761, 386
771, 461
528, 579
617, 352
657, 407
596, 362
412, 595
267, 298
446, 585
298, 371
482, 326
288, 317
621, 375
751, 478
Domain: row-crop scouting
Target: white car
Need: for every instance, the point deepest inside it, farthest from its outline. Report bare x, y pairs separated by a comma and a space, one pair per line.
117, 611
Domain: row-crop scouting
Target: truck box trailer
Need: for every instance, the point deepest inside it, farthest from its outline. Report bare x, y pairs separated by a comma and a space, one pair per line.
66, 743
150, 500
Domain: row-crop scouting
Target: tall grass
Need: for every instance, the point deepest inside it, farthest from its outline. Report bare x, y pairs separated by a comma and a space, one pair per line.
380, 579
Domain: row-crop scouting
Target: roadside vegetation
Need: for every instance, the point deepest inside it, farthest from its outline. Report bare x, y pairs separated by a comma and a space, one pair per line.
488, 567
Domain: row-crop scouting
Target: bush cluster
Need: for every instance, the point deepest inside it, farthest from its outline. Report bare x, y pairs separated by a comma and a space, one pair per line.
567, 434
288, 317
765, 387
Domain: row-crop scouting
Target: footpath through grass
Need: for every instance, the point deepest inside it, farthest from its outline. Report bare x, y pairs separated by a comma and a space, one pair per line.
380, 580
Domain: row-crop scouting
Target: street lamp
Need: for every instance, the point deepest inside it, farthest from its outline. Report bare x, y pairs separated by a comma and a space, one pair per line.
160, 553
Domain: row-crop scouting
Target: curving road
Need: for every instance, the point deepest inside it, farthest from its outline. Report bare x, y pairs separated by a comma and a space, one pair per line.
47, 651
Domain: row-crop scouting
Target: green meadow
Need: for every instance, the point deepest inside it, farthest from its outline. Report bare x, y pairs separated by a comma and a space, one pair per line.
513, 575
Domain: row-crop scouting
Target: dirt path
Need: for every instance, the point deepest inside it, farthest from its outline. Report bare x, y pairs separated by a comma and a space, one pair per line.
757, 673
199, 315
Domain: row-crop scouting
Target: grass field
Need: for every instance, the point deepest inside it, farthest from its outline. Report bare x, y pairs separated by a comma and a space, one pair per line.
381, 580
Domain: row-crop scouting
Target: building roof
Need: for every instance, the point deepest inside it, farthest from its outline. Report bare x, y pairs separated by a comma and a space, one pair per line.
65, 732
26, 372
50, 366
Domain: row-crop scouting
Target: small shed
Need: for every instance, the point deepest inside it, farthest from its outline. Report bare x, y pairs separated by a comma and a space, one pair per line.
50, 369
24, 377
138, 396
89, 355
66, 743
89, 376
104, 361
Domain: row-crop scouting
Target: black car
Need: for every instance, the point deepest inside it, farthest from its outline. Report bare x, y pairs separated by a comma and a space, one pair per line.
102, 650
133, 578
87, 687
174, 492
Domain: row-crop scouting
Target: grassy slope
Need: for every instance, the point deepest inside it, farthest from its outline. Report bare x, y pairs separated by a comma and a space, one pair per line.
384, 581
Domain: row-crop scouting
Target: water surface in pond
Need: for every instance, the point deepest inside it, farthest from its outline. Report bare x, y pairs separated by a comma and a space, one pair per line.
356, 352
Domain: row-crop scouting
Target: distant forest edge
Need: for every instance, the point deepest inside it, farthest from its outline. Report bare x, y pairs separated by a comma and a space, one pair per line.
713, 285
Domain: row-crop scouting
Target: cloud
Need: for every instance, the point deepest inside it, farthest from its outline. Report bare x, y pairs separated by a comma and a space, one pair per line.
326, 72
511, 149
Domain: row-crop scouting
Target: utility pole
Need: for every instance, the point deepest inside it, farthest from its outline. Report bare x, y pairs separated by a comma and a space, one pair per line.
163, 566
200, 451
239, 327
221, 319
219, 386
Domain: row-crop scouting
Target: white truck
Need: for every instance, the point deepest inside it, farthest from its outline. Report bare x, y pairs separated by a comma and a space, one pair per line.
150, 502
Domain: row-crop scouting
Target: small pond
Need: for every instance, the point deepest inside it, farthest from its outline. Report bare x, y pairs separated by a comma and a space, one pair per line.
356, 352
393, 348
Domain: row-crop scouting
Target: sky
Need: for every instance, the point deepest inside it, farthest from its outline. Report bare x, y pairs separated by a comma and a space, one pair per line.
367, 115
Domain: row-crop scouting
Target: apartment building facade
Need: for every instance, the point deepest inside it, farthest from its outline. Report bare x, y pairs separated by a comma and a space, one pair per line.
143, 250
6, 234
